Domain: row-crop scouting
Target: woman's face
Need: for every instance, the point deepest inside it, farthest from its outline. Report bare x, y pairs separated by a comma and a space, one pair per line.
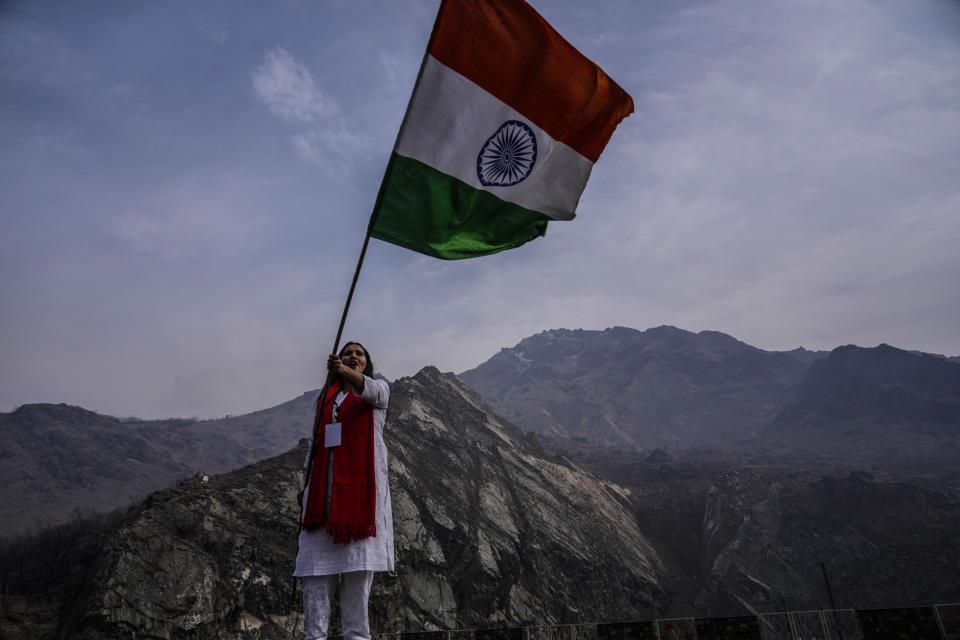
354, 357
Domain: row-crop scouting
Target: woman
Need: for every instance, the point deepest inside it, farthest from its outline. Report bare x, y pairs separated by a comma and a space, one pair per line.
347, 523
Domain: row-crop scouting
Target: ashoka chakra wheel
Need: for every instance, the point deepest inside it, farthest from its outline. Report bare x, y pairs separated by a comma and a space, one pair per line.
508, 155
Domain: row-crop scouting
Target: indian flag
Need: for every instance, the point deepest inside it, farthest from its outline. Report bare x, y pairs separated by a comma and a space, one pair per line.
503, 127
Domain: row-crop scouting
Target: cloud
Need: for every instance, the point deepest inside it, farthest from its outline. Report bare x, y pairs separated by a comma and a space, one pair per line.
314, 143
188, 217
289, 91
38, 56
399, 70
140, 231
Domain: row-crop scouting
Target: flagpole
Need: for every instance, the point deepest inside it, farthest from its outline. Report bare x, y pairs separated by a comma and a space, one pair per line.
336, 345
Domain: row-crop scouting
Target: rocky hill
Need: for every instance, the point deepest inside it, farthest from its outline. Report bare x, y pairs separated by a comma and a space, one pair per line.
883, 408
663, 387
57, 459
494, 531
588, 394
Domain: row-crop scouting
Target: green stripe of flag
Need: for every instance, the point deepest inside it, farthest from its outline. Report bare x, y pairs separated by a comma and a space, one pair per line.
431, 212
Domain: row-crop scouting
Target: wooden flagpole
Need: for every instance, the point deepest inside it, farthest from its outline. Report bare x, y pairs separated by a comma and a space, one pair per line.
336, 346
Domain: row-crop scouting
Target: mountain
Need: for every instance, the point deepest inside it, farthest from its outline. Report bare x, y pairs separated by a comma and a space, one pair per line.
661, 388
882, 406
595, 393
491, 530
58, 459
884, 383
805, 354
589, 394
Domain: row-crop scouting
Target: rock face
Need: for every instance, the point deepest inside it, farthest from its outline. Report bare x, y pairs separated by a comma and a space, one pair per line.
740, 539
514, 537
489, 532
747, 541
212, 553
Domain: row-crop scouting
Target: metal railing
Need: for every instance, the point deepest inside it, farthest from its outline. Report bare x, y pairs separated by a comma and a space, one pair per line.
937, 622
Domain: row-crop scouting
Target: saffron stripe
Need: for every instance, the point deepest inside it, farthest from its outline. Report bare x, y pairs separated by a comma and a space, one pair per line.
507, 48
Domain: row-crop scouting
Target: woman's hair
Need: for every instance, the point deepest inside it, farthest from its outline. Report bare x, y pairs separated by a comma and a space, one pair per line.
369, 370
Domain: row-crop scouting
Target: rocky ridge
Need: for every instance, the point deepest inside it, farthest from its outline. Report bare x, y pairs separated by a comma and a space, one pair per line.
59, 458
586, 393
881, 409
663, 387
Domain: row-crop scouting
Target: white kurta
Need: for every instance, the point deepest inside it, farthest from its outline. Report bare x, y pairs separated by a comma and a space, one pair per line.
317, 554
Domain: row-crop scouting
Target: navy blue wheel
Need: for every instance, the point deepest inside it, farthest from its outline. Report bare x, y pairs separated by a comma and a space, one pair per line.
508, 156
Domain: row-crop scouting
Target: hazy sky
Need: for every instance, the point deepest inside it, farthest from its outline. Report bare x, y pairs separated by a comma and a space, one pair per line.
184, 188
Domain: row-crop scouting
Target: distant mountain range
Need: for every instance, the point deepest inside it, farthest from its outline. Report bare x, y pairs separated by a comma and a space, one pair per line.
599, 396
59, 459
882, 408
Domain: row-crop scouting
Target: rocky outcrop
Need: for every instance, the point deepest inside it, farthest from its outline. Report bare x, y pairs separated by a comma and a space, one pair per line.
488, 533
213, 553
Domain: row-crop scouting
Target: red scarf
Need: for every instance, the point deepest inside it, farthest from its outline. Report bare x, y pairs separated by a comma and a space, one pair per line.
353, 500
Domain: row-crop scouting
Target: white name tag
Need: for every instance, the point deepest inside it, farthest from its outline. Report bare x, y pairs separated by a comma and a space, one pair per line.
331, 435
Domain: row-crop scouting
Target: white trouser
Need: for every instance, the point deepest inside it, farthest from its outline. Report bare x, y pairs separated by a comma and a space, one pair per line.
354, 595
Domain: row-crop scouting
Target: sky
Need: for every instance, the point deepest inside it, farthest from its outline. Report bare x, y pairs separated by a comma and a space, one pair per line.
185, 186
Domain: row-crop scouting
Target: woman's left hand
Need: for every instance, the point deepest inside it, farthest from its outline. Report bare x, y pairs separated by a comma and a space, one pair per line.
350, 376
334, 365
